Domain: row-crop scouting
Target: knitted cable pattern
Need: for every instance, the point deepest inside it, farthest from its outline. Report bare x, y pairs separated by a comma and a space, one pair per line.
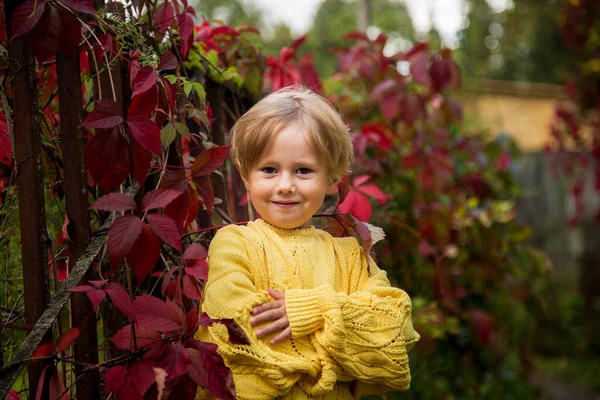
351, 330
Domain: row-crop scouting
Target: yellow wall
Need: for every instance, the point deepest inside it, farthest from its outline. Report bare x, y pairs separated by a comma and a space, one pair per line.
522, 110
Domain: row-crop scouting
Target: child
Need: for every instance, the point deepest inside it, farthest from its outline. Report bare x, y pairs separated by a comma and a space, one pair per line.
321, 326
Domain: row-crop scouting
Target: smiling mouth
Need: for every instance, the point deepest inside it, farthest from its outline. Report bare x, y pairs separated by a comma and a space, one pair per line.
285, 205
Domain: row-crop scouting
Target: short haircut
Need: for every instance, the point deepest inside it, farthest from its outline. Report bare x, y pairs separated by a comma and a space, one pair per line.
254, 131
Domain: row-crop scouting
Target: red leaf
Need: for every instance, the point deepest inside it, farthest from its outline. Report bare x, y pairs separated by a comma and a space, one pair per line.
13, 395
176, 361
115, 379
120, 299
122, 235
219, 377
45, 349
190, 288
310, 77
81, 288
153, 313
356, 35
107, 159
26, 16
98, 284
114, 202
144, 254
146, 132
192, 320
67, 339
375, 192
166, 229
195, 251
346, 206
56, 388
198, 269
167, 279
503, 162
71, 31
224, 30
418, 66
162, 197
344, 188
390, 105
141, 161
204, 184
192, 209
439, 73
357, 205
163, 16
106, 114
65, 228
209, 160
425, 249
141, 374
96, 296
143, 104
50, 28
167, 62
62, 272
143, 336
144, 80
196, 370
411, 110
359, 180
84, 6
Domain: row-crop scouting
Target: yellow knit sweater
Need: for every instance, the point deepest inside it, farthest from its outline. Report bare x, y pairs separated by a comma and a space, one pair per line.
350, 329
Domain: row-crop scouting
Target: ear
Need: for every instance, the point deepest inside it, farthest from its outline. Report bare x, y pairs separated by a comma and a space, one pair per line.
245, 180
244, 176
332, 189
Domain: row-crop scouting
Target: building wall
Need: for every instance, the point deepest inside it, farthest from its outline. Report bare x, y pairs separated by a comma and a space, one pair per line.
522, 110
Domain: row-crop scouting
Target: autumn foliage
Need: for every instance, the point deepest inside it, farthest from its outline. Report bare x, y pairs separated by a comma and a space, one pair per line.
159, 93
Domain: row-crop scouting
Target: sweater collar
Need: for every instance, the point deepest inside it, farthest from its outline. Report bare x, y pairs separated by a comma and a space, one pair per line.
284, 232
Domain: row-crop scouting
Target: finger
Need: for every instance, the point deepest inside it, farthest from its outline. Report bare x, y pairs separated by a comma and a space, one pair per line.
274, 327
283, 336
270, 315
265, 307
276, 295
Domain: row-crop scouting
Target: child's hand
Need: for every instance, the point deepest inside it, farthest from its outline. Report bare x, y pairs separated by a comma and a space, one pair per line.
273, 311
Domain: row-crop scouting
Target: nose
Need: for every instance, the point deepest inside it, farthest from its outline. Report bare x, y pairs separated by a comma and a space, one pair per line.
285, 184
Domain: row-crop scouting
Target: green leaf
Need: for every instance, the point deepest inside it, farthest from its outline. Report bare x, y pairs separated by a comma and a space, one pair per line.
187, 88
200, 90
231, 74
182, 129
254, 80
167, 135
171, 78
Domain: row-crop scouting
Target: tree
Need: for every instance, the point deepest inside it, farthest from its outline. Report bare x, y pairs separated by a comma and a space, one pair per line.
522, 43
335, 18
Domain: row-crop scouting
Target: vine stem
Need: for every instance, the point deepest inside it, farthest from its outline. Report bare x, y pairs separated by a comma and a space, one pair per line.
112, 83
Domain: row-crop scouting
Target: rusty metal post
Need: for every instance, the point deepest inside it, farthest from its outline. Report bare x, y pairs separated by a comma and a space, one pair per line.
76, 209
30, 180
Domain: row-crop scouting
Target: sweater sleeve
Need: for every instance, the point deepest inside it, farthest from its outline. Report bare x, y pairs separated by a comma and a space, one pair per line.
259, 371
368, 332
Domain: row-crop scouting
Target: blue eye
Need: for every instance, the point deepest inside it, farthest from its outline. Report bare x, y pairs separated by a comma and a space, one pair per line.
304, 171
269, 170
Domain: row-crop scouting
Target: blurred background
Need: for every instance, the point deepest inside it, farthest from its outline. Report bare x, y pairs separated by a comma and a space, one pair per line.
530, 81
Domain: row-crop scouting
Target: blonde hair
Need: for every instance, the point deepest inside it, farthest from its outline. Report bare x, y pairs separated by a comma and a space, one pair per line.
254, 131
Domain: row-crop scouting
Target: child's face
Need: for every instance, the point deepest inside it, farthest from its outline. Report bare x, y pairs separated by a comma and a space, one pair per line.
288, 184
